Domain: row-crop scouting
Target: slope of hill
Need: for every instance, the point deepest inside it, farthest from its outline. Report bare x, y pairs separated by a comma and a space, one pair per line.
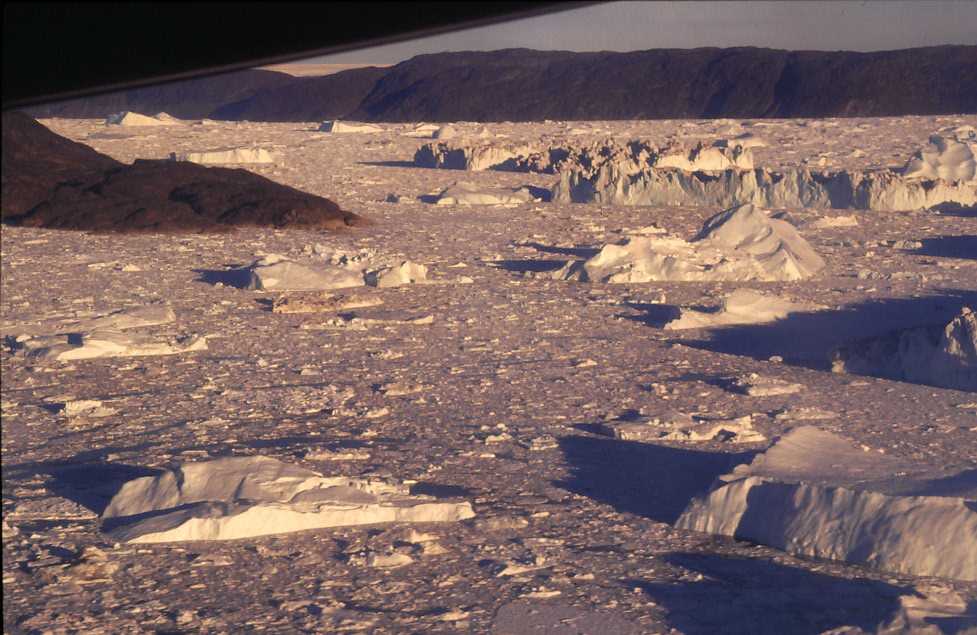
529, 85
305, 98
526, 85
187, 99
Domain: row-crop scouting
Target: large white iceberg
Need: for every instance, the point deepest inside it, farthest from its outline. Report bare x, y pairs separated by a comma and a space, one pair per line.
277, 273
226, 156
244, 497
939, 355
742, 243
814, 493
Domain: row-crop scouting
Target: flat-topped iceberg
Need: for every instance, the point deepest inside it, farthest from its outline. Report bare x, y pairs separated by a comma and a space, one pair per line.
245, 497
814, 493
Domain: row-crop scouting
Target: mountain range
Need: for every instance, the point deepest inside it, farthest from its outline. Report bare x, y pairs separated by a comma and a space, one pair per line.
530, 85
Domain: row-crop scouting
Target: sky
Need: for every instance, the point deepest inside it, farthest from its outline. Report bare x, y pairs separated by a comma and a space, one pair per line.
873, 25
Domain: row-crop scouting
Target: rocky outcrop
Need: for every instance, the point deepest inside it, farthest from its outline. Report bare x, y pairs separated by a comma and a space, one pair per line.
51, 182
35, 160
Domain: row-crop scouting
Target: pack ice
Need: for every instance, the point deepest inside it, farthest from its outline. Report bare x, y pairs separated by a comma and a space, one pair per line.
741, 243
813, 493
245, 497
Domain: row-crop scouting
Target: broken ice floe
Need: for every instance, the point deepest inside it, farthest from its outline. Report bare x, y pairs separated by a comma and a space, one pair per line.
813, 493
938, 355
103, 343
742, 306
227, 156
152, 315
755, 385
685, 427
394, 276
354, 323
245, 497
93, 408
464, 193
274, 272
323, 302
742, 243
278, 273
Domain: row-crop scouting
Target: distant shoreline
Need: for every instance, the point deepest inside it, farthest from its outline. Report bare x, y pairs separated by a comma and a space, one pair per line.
299, 69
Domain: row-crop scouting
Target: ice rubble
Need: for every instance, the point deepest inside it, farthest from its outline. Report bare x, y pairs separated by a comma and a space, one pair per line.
244, 497
227, 156
940, 355
342, 126
742, 306
741, 243
813, 493
127, 118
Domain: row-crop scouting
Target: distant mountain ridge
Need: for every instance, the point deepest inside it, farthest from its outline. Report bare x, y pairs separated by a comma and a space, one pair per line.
529, 85
189, 99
